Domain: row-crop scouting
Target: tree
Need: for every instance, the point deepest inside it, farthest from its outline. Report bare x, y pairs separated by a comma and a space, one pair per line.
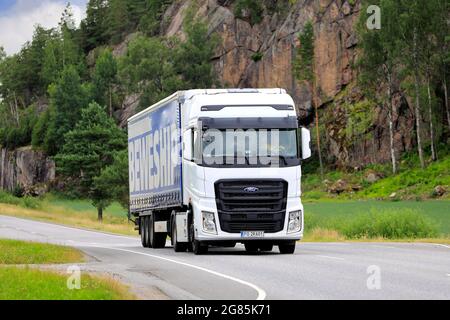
193, 57
413, 21
113, 180
118, 20
67, 98
304, 70
379, 61
146, 69
89, 148
104, 78
94, 26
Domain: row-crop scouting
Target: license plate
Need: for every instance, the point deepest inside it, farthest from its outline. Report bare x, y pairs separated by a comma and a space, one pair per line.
252, 234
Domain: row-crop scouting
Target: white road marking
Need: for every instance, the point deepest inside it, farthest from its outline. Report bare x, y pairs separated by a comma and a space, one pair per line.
384, 247
329, 257
261, 292
442, 245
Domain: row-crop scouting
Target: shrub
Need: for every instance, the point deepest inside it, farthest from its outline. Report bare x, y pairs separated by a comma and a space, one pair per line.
27, 202
389, 224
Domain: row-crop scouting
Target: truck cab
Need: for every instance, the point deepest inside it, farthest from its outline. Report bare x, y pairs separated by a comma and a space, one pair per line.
240, 158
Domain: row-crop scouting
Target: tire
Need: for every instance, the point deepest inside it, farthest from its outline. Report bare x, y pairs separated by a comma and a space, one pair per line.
177, 246
198, 248
157, 240
266, 247
144, 238
288, 248
147, 231
251, 247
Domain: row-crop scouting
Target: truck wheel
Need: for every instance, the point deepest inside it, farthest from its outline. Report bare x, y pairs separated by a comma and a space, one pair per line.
157, 240
266, 247
251, 247
197, 247
287, 248
177, 246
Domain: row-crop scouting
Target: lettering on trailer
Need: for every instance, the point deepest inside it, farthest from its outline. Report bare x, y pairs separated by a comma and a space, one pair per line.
155, 154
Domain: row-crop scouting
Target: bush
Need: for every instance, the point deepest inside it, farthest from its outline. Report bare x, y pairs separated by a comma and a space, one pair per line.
8, 198
26, 202
389, 224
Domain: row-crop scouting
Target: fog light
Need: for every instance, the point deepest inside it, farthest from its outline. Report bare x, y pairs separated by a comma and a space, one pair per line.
209, 222
295, 221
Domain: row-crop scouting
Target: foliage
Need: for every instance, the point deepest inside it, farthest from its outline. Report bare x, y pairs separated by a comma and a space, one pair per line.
303, 66
67, 97
13, 135
407, 224
114, 179
104, 78
147, 69
193, 56
26, 202
377, 220
88, 148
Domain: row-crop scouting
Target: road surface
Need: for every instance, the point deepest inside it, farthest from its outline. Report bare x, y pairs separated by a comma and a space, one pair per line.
315, 271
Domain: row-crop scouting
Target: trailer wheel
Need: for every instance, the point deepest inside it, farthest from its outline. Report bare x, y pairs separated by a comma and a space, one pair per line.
145, 239
143, 232
157, 240
177, 246
287, 248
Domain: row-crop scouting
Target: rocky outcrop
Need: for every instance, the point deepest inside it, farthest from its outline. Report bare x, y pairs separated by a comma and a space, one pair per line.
24, 167
262, 55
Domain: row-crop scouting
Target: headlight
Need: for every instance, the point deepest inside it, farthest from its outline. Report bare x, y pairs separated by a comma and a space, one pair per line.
295, 221
209, 222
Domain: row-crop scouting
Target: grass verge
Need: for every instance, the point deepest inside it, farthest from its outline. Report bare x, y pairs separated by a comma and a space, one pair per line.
70, 217
26, 283
20, 252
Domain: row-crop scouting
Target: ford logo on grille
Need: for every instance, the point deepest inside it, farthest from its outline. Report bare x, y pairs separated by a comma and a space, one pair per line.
251, 189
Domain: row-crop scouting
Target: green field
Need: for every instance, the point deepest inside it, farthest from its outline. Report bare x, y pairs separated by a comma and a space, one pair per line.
436, 211
115, 209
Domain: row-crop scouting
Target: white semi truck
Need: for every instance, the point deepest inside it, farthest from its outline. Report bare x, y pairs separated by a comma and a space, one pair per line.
218, 167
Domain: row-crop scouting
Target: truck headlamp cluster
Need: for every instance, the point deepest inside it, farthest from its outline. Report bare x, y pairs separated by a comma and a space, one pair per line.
209, 222
295, 221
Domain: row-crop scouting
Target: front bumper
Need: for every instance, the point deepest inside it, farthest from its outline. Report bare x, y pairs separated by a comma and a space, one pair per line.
209, 205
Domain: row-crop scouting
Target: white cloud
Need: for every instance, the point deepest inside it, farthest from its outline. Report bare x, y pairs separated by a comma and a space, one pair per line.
17, 24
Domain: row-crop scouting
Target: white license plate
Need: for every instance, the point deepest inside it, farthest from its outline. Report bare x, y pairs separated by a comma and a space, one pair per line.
252, 234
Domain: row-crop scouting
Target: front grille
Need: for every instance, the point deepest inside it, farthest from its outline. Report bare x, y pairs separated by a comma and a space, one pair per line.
261, 210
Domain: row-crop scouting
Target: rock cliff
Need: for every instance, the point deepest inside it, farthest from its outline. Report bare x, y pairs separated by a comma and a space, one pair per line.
31, 170
262, 55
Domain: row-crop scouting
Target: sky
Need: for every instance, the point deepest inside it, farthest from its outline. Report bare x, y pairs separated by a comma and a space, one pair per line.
18, 18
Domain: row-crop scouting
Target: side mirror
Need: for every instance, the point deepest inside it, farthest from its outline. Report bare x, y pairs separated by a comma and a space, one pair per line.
306, 143
188, 145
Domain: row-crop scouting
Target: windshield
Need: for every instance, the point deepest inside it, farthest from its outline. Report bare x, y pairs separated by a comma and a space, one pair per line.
251, 147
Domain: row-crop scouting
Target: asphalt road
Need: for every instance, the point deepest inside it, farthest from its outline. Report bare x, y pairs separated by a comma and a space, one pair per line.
315, 271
